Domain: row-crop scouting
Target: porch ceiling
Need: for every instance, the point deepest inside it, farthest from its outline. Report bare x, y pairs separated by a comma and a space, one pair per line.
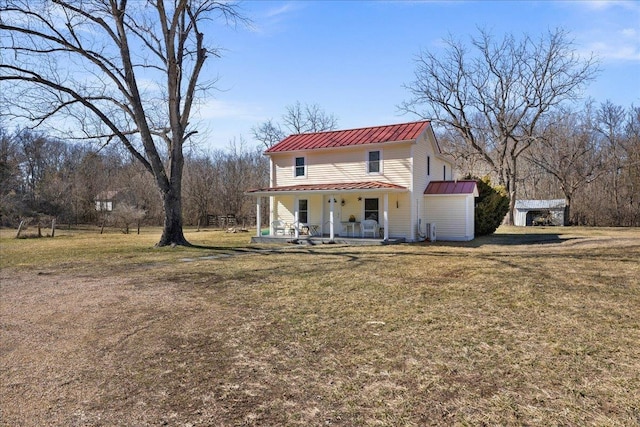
370, 186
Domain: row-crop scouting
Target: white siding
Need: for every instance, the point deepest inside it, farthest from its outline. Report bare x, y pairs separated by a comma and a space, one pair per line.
453, 216
403, 163
345, 165
520, 218
284, 208
426, 148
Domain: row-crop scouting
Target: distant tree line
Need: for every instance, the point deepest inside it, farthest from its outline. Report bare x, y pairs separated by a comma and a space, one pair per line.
43, 177
588, 156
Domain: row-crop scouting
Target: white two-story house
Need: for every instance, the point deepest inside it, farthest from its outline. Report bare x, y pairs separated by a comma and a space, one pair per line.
340, 183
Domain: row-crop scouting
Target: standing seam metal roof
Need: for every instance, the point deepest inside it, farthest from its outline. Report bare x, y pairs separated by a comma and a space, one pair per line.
450, 187
345, 186
350, 137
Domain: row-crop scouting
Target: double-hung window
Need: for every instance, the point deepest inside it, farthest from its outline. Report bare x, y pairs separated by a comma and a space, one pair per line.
371, 209
300, 167
303, 211
374, 162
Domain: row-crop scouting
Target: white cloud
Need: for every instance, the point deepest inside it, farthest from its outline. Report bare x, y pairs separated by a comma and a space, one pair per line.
609, 29
600, 5
623, 44
219, 109
272, 19
281, 10
608, 50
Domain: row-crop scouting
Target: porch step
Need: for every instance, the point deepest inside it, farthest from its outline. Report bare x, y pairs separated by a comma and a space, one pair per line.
317, 240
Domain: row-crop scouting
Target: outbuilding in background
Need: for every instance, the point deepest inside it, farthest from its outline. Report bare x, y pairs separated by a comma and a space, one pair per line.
539, 212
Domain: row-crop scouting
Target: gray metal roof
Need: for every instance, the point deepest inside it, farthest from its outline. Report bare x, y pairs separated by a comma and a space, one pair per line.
540, 204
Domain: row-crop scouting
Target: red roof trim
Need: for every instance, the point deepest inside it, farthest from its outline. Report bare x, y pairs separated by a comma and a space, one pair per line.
451, 187
350, 137
369, 185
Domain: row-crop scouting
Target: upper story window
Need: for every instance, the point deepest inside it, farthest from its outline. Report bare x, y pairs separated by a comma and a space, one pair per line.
374, 162
300, 168
444, 172
428, 165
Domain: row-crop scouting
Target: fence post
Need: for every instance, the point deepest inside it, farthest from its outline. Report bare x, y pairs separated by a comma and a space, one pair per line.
19, 229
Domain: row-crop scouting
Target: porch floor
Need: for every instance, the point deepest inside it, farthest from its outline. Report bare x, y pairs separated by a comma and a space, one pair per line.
319, 240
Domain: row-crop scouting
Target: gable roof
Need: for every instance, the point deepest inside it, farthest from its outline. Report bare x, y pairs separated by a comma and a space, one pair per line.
451, 187
351, 137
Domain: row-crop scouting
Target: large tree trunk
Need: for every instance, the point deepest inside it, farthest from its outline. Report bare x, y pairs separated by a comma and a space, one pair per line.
172, 233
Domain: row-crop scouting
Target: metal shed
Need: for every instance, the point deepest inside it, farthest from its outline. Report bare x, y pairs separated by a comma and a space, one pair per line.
539, 212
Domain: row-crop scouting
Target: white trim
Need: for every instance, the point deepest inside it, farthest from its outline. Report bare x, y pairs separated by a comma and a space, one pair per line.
331, 217
258, 217
295, 167
380, 162
385, 215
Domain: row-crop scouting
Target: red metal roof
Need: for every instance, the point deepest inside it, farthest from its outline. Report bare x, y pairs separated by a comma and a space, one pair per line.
345, 138
451, 187
368, 185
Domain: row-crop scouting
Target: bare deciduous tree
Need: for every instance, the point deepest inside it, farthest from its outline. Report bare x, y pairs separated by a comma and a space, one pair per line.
268, 133
568, 150
493, 99
119, 70
297, 119
308, 118
619, 130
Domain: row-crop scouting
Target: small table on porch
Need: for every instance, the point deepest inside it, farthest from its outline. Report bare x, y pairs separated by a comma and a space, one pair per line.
312, 229
350, 226
305, 229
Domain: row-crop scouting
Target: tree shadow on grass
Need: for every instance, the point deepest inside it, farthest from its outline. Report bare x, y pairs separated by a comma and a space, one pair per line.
510, 239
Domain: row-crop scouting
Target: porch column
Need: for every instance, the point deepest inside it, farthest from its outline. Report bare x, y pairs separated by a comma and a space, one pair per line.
296, 215
331, 233
258, 219
272, 214
385, 216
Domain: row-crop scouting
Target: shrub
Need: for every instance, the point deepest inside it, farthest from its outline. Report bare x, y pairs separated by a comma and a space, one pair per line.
491, 207
125, 215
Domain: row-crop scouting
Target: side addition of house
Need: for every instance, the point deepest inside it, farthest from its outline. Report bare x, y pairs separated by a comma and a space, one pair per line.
385, 182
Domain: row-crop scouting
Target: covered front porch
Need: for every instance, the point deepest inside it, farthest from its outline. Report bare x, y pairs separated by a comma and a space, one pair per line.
328, 213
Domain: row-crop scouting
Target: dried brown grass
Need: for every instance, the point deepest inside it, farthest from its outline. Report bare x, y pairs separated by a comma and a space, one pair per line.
526, 327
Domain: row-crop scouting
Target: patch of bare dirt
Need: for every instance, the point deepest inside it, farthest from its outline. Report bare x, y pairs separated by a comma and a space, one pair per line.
410, 335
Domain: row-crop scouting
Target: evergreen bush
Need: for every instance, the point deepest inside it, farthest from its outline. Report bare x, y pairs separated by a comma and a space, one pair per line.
491, 207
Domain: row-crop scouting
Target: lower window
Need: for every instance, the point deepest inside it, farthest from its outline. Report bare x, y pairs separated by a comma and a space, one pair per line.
371, 210
303, 211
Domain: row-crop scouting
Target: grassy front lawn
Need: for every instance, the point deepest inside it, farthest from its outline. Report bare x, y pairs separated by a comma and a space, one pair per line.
537, 326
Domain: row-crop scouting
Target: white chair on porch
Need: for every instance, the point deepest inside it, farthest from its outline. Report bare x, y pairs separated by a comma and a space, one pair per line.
369, 226
278, 227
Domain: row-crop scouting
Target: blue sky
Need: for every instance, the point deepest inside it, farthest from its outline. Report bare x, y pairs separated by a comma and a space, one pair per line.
353, 57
